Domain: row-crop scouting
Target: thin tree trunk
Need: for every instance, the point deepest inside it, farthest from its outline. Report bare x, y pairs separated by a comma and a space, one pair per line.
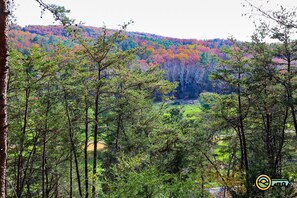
3, 93
241, 148
28, 167
96, 134
45, 192
72, 146
202, 185
86, 148
267, 120
292, 108
95, 143
242, 132
278, 155
294, 118
269, 144
19, 186
70, 176
76, 167
57, 186
290, 97
43, 168
289, 90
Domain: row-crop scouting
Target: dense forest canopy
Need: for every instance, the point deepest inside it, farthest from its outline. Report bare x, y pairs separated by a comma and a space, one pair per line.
92, 112
186, 61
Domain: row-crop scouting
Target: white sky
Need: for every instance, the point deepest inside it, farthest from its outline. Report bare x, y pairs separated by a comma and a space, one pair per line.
200, 19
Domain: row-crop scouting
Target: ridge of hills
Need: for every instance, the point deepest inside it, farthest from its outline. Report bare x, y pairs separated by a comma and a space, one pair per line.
186, 61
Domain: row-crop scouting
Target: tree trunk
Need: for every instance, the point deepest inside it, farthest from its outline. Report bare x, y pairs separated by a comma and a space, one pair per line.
72, 145
70, 176
57, 186
242, 133
277, 162
45, 191
241, 127
86, 148
43, 164
76, 164
202, 185
290, 93
294, 117
19, 186
241, 148
96, 133
3, 93
95, 143
30, 164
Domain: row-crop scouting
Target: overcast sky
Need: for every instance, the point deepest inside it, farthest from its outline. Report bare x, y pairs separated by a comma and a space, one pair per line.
200, 19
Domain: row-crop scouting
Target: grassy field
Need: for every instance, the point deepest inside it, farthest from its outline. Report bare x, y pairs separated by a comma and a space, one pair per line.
191, 109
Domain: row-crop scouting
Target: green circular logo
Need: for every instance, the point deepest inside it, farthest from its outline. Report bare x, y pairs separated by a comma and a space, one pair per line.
263, 182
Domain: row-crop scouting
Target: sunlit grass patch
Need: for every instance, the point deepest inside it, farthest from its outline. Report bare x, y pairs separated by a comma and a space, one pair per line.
100, 146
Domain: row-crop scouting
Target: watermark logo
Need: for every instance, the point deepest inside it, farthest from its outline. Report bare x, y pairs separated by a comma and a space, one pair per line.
264, 182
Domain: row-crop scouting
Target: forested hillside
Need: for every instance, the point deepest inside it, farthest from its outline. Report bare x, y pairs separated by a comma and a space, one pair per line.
186, 61
91, 113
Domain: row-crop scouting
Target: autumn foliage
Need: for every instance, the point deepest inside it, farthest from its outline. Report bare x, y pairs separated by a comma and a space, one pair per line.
186, 61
